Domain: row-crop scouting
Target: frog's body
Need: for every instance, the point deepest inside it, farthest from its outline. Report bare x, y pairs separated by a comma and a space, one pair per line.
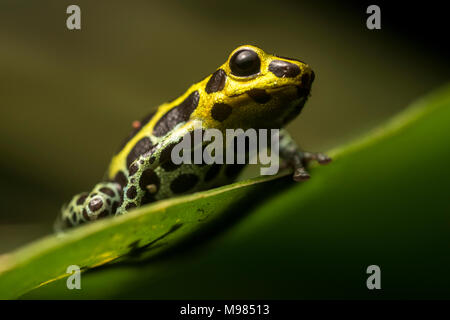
251, 90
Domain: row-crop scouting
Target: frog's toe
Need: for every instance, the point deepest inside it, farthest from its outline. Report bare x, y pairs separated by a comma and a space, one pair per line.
301, 161
300, 174
321, 158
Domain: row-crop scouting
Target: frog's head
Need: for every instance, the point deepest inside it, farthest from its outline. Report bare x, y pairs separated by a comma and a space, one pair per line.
256, 89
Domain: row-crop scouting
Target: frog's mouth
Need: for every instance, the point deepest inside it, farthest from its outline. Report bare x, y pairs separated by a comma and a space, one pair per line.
290, 92
297, 104
295, 91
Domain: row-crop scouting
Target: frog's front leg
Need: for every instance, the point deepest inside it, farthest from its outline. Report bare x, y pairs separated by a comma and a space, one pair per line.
297, 159
143, 181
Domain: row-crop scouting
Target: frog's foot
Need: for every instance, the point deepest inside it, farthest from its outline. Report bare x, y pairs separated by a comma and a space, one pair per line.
101, 202
300, 174
297, 159
300, 161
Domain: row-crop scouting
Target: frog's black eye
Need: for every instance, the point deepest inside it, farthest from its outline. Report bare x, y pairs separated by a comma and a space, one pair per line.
245, 63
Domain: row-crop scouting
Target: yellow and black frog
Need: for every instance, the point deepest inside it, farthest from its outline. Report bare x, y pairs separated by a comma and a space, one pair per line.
252, 89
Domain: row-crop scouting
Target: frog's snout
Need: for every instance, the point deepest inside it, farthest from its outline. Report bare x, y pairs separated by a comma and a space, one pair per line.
313, 75
284, 69
307, 78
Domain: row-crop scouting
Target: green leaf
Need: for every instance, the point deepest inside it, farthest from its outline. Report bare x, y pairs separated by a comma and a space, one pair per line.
141, 233
383, 201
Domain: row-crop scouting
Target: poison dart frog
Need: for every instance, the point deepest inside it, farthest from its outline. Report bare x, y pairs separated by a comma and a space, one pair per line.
252, 89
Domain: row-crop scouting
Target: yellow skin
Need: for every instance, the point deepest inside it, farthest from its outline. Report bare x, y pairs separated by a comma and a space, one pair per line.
268, 97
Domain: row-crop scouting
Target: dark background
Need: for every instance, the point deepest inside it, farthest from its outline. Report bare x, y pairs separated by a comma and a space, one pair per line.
69, 97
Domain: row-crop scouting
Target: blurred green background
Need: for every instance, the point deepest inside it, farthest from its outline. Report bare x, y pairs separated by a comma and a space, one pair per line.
69, 97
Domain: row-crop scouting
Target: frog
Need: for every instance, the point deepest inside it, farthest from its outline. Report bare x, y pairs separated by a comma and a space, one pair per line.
252, 89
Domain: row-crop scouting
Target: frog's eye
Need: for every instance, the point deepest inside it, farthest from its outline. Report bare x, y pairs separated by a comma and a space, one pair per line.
245, 63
